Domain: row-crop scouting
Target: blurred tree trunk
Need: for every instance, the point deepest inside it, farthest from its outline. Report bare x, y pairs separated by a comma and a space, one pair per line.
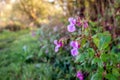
30, 11
35, 10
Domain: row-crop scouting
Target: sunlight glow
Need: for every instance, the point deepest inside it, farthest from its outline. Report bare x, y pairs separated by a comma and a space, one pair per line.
51, 0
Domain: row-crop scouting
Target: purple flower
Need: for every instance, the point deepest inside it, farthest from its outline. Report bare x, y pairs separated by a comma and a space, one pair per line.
85, 24
55, 42
58, 45
72, 20
74, 52
57, 48
79, 75
71, 28
74, 44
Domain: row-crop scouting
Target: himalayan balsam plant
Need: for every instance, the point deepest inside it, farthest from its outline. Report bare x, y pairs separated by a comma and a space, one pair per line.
91, 52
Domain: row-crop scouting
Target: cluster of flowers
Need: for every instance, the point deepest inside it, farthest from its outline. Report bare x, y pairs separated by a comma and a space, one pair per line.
74, 44
72, 28
76, 22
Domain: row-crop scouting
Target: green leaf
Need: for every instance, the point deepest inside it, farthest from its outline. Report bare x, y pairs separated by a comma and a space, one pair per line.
91, 52
81, 57
102, 40
96, 76
115, 72
95, 60
96, 40
110, 76
105, 57
98, 61
83, 42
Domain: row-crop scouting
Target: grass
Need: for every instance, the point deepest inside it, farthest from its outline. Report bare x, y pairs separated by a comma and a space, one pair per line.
24, 57
17, 49
7, 37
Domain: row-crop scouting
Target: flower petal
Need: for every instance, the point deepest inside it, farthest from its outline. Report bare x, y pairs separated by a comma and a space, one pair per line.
57, 48
72, 20
60, 43
74, 44
55, 42
85, 24
71, 28
74, 52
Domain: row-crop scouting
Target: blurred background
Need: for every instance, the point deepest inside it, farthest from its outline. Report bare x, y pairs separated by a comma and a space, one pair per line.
21, 14
28, 28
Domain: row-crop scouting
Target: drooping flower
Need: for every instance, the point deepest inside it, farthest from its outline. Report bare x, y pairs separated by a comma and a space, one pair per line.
71, 28
72, 20
58, 45
74, 52
79, 75
78, 22
85, 24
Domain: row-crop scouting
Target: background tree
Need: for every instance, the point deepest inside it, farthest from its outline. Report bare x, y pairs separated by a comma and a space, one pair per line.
35, 10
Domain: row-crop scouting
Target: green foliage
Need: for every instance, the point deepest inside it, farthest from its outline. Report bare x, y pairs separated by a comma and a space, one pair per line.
97, 75
102, 40
16, 61
34, 58
98, 57
25, 57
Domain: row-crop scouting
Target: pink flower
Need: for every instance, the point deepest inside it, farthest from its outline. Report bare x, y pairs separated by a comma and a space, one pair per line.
85, 24
74, 52
79, 75
71, 28
55, 42
57, 48
72, 20
58, 45
74, 44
